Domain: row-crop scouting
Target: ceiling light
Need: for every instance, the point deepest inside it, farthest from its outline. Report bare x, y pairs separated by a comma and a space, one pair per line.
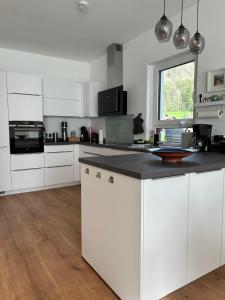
164, 28
82, 5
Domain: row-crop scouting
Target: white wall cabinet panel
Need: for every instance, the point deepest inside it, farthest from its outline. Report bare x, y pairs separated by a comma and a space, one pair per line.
62, 108
205, 223
58, 175
24, 84
62, 89
112, 212
27, 161
90, 101
76, 166
165, 217
5, 176
24, 179
4, 122
223, 232
58, 159
25, 108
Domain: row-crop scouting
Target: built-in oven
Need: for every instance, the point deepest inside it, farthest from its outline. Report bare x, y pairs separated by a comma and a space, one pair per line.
26, 137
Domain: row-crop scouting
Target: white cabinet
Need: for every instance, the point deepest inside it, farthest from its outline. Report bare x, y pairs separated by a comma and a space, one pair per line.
111, 223
62, 97
25, 179
5, 176
27, 161
76, 164
24, 84
62, 108
58, 175
62, 89
90, 103
165, 223
27, 171
25, 108
59, 164
223, 230
4, 122
205, 223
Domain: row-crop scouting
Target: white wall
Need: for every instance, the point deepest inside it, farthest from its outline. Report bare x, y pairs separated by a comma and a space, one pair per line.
145, 50
28, 63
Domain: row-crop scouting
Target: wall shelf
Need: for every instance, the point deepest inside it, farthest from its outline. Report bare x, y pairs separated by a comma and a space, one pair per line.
212, 103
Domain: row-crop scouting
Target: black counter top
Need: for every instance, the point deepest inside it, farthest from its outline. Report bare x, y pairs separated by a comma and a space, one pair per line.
147, 166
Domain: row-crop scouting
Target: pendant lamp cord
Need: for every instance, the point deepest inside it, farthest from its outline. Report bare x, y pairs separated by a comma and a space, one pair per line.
197, 14
182, 9
164, 10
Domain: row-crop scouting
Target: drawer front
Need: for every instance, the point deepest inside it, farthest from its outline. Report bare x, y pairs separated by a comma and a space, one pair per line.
23, 179
86, 150
27, 161
59, 148
58, 159
58, 175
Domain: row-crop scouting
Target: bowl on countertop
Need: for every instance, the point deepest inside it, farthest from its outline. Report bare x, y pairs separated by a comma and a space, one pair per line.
171, 154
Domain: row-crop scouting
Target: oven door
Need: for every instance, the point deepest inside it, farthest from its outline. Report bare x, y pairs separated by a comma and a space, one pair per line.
26, 139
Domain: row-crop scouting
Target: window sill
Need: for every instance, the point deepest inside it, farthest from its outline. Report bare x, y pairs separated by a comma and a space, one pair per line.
173, 123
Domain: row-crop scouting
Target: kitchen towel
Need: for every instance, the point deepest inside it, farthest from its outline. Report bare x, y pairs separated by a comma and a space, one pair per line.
209, 114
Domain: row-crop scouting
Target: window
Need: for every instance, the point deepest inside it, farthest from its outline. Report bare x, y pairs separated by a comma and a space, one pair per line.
174, 87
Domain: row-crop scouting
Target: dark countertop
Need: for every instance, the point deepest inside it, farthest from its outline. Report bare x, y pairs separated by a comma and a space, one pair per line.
148, 166
125, 147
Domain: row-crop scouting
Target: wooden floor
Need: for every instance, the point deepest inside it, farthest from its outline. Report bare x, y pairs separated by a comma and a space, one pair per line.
40, 256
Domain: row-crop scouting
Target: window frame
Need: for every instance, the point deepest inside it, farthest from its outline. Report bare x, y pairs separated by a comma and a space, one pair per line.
169, 63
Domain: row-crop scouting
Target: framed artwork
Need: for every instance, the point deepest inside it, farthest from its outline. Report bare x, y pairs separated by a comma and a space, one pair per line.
216, 81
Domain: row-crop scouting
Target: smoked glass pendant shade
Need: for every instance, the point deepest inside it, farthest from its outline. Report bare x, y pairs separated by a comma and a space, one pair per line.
181, 37
197, 43
163, 29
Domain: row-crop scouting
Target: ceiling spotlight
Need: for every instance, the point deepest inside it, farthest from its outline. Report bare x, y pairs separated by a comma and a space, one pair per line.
82, 5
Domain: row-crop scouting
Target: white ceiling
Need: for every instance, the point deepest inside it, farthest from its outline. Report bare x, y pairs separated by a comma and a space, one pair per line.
57, 28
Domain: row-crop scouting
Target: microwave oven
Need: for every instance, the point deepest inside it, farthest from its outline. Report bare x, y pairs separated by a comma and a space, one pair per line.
112, 102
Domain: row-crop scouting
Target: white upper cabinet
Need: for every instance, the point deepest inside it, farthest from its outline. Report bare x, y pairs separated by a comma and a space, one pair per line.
24, 84
205, 223
4, 125
62, 97
90, 103
25, 107
62, 89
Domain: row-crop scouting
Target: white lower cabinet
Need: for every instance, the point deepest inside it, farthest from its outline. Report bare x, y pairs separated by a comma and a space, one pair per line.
223, 232
24, 179
205, 223
111, 223
58, 175
27, 161
76, 164
164, 233
5, 177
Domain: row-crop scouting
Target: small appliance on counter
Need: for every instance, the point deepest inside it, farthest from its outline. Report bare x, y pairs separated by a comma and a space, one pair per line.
84, 137
219, 143
94, 138
64, 127
202, 137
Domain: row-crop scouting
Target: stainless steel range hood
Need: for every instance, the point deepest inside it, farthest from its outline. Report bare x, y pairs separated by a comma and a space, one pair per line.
115, 65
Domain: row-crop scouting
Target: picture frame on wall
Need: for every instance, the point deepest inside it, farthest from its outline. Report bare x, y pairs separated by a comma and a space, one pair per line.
216, 81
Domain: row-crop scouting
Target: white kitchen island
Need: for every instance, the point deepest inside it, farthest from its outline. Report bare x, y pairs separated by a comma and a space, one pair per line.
147, 237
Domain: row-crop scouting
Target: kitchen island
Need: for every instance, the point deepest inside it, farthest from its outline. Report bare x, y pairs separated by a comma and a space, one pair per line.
149, 228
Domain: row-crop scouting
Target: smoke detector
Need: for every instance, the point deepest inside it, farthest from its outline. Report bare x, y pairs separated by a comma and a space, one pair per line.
82, 5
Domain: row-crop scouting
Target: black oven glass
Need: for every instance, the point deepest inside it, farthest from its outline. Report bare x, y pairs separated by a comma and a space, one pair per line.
26, 137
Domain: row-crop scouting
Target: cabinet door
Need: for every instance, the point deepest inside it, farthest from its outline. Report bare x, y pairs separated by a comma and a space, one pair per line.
223, 232
205, 223
24, 179
111, 229
58, 175
25, 108
90, 98
165, 224
4, 122
76, 170
27, 161
62, 108
24, 84
62, 89
5, 176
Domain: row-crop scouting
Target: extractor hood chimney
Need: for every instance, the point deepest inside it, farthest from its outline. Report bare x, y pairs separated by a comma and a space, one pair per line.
115, 65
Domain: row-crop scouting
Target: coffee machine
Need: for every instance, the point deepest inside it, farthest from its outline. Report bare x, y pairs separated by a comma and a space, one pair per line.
202, 137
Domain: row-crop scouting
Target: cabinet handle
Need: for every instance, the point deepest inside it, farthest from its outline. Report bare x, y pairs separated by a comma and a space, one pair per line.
111, 179
87, 171
98, 175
